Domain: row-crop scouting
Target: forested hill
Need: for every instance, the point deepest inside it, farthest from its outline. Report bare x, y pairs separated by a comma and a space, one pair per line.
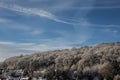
103, 58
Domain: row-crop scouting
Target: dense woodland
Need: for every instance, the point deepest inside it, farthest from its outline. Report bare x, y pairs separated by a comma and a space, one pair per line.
102, 59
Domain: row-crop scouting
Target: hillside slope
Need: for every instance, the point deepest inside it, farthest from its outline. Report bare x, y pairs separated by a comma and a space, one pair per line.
103, 58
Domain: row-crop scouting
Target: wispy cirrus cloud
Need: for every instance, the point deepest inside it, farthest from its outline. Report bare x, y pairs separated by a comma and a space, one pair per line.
9, 49
95, 7
27, 30
34, 11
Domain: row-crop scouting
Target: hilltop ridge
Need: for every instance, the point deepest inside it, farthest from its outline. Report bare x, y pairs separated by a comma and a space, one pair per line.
103, 58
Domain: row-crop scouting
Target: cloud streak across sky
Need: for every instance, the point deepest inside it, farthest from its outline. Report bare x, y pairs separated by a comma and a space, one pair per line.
34, 11
9, 49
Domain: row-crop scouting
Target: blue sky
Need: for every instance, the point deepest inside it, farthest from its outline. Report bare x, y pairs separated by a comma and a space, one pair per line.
29, 26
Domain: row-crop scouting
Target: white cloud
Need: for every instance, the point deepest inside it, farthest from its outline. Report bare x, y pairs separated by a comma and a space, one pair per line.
22, 27
112, 30
11, 25
97, 7
33, 11
6, 43
9, 49
98, 25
